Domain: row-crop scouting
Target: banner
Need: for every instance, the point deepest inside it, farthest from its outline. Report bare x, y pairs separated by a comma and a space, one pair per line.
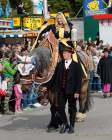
17, 21
6, 24
93, 7
32, 22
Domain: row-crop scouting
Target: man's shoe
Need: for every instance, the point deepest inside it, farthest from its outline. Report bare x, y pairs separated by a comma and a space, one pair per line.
52, 128
71, 130
63, 128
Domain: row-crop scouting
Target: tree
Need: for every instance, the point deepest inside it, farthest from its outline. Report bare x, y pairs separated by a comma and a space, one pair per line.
71, 6
59, 5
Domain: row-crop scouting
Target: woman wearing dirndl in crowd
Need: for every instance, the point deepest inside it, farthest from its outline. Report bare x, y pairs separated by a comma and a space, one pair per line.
104, 70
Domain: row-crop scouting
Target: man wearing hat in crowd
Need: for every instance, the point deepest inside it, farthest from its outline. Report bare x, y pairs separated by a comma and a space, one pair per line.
104, 70
66, 82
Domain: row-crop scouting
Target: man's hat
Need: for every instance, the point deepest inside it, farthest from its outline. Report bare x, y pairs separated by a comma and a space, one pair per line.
105, 50
68, 49
68, 46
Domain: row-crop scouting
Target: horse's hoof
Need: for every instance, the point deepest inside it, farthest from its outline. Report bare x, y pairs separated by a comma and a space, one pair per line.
80, 117
84, 115
80, 120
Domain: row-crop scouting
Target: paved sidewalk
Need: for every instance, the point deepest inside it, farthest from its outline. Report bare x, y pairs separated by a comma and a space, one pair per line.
32, 124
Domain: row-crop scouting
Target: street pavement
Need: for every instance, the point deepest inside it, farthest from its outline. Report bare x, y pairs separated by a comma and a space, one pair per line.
31, 124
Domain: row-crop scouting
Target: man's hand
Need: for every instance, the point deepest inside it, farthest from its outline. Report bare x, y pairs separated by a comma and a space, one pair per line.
76, 95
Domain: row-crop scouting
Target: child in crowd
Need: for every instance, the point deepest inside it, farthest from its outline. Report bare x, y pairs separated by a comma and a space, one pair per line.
18, 93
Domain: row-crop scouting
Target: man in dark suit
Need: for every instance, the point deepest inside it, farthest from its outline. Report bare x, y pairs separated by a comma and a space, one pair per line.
66, 81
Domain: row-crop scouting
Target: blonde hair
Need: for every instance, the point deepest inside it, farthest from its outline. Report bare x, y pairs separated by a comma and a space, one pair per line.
65, 24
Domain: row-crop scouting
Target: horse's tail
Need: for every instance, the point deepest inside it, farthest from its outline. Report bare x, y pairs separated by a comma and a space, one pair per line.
89, 102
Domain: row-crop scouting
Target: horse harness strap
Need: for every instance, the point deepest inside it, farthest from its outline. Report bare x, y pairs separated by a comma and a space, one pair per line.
24, 63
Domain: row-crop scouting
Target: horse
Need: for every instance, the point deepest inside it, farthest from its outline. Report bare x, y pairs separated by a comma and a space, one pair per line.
46, 55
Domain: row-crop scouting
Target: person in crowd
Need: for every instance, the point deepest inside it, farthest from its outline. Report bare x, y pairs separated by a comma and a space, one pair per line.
3, 49
7, 85
101, 45
96, 78
9, 69
91, 67
25, 65
18, 93
105, 71
110, 55
67, 79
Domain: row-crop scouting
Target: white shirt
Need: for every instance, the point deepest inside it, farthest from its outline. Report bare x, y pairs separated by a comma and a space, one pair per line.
3, 85
28, 67
67, 63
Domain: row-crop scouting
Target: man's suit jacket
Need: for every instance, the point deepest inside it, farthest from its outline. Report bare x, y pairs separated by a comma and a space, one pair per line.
74, 78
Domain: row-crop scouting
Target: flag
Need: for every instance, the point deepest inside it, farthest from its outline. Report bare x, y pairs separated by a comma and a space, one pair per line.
93, 7
1, 10
8, 9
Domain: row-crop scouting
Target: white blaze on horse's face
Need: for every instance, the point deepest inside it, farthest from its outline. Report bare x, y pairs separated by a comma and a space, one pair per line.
67, 55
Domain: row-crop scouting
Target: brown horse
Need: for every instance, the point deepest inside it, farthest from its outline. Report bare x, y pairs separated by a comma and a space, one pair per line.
40, 77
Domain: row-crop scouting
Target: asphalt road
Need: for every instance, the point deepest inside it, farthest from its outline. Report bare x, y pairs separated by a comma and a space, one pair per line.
31, 125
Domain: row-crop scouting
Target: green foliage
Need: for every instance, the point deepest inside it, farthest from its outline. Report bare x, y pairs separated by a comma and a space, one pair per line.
28, 6
71, 6
59, 5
